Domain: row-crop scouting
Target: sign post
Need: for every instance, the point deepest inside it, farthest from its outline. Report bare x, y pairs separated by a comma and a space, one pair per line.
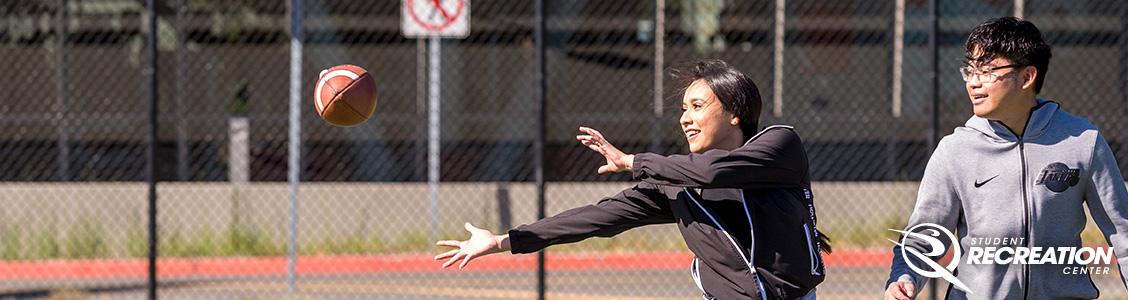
435, 19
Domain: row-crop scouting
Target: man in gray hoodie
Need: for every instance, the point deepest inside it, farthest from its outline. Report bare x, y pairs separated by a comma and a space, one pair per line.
1016, 176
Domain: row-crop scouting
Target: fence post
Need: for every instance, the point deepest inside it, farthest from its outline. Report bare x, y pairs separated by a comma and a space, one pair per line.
150, 74
1122, 136
295, 151
659, 65
182, 171
538, 145
934, 78
777, 57
61, 97
504, 208
933, 17
1019, 8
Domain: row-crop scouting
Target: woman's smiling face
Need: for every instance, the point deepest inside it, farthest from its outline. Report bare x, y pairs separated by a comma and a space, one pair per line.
705, 122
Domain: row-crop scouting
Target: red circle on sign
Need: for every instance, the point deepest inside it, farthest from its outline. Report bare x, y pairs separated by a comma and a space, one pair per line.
448, 19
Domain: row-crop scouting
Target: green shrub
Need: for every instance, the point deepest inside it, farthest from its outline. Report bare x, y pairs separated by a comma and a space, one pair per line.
11, 242
86, 240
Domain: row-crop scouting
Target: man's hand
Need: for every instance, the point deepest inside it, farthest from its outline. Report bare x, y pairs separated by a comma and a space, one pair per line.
900, 291
481, 242
617, 161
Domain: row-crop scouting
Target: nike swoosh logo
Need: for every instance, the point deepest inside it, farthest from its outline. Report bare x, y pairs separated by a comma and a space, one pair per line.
979, 184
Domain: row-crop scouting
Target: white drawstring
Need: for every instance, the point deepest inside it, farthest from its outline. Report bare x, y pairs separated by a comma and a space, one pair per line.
752, 244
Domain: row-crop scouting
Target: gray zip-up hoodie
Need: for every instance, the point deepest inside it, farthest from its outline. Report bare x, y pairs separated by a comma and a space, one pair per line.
983, 181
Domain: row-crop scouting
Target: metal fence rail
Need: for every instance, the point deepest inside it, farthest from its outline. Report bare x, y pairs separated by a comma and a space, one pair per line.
853, 77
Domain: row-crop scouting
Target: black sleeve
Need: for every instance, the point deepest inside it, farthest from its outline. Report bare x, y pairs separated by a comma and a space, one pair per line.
775, 159
640, 205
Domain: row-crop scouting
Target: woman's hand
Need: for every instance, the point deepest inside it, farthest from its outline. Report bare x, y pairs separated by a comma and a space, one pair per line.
617, 161
481, 242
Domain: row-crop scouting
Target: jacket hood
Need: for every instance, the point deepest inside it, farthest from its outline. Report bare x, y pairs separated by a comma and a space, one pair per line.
1040, 116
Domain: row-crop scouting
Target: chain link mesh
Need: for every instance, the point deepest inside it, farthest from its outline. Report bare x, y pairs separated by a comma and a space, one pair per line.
74, 122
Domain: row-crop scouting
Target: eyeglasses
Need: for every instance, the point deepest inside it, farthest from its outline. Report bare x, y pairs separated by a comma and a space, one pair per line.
984, 76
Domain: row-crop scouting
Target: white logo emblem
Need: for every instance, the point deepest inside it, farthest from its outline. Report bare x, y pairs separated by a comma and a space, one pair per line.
930, 234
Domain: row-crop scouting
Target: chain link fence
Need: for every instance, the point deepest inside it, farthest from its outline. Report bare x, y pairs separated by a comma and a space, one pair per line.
853, 77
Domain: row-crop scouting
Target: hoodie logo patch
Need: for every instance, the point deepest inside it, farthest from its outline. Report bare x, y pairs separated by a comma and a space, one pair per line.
979, 184
1058, 177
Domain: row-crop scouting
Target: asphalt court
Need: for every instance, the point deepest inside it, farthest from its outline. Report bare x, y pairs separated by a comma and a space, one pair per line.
842, 283
448, 285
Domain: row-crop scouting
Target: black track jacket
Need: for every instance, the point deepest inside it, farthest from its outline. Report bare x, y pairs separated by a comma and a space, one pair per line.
769, 173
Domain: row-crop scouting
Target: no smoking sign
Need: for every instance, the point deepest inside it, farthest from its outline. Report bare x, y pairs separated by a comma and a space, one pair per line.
444, 18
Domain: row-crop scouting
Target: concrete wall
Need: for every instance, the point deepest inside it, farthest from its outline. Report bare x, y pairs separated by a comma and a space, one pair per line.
388, 210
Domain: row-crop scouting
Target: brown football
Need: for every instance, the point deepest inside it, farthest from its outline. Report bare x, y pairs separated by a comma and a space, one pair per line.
345, 95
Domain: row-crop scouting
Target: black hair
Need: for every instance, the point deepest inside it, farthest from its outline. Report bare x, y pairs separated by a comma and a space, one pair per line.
1011, 38
737, 93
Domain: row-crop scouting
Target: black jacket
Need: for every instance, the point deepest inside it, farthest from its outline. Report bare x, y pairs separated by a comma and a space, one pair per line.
769, 172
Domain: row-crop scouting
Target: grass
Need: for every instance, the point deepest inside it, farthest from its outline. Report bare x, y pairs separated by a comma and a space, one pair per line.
46, 244
849, 235
238, 240
85, 239
413, 242
243, 240
136, 242
354, 243
11, 247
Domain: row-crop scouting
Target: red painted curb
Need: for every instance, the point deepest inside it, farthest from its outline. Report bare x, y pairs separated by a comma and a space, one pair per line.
315, 265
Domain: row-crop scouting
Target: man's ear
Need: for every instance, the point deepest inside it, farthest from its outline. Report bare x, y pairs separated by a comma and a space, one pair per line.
735, 121
1029, 77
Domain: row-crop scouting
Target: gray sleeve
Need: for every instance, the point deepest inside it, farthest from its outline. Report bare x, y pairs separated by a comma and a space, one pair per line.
938, 203
1108, 202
